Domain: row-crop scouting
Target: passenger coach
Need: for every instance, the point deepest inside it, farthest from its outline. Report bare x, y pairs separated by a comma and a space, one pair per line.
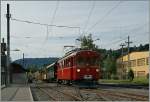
78, 66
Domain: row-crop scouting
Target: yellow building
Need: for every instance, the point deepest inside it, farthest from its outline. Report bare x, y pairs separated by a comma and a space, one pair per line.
139, 63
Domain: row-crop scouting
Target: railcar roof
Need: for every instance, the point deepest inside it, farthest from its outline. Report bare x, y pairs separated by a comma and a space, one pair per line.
50, 65
73, 53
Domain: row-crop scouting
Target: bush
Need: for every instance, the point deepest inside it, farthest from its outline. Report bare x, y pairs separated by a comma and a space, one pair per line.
147, 76
124, 77
114, 77
130, 75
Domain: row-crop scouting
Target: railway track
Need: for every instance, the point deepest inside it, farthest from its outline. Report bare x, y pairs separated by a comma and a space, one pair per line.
132, 86
74, 97
118, 95
72, 93
83, 95
132, 96
50, 96
49, 90
41, 94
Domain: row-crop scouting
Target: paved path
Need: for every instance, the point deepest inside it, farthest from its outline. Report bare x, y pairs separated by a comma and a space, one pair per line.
16, 93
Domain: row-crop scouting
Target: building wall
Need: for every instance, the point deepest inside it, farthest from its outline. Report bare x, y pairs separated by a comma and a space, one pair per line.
19, 78
139, 63
3, 70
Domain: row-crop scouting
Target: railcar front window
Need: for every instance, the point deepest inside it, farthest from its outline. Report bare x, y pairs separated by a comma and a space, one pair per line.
83, 61
93, 61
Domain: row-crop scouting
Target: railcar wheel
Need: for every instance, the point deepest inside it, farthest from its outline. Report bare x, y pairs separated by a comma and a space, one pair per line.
64, 82
69, 82
59, 81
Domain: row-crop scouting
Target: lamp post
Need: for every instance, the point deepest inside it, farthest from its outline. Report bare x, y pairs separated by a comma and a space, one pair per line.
15, 50
96, 39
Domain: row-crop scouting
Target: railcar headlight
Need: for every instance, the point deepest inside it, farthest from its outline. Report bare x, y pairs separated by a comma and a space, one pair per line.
97, 70
78, 70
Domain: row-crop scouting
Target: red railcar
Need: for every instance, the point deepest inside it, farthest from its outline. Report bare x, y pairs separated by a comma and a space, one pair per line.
78, 66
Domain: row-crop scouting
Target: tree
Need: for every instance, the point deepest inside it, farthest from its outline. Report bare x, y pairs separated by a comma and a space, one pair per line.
110, 66
87, 42
131, 75
32, 68
140, 48
147, 75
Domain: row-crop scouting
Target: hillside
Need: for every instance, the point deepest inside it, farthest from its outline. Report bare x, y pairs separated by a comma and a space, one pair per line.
38, 62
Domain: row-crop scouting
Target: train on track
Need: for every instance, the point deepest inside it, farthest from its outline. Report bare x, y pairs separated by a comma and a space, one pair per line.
81, 66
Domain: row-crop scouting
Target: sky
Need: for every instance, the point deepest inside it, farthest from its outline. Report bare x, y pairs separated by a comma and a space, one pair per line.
110, 21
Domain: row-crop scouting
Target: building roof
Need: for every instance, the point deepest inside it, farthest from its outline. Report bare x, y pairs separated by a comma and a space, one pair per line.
140, 54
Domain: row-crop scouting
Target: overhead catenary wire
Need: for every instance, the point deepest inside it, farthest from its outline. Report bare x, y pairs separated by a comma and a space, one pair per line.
131, 33
47, 33
108, 13
89, 16
42, 24
53, 17
114, 42
46, 25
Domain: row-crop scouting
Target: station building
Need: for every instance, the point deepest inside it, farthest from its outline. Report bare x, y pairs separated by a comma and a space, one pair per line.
139, 63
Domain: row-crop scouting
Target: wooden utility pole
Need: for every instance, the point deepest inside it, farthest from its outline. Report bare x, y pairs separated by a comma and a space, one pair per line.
128, 43
8, 44
122, 45
23, 61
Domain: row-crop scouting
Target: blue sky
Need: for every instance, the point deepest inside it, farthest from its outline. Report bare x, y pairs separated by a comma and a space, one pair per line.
128, 18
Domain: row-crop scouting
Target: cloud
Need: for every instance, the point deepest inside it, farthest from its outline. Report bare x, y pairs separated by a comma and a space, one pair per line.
33, 40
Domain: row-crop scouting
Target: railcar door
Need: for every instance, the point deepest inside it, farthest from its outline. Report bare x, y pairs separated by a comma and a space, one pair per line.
71, 68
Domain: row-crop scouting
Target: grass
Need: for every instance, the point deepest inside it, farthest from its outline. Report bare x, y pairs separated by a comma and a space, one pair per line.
144, 81
139, 81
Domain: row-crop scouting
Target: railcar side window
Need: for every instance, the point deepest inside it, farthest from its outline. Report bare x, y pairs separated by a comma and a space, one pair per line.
69, 64
62, 64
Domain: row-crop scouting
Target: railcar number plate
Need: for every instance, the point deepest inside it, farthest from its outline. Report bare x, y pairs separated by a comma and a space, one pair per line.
87, 76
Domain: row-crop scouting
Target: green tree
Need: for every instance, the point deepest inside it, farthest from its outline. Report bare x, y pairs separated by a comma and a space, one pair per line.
130, 75
147, 75
110, 66
87, 42
32, 68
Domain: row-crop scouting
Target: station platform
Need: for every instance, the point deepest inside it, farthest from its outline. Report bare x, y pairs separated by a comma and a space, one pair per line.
16, 93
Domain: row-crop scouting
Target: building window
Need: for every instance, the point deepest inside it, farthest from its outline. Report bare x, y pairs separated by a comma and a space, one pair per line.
132, 63
134, 73
147, 60
141, 62
126, 64
140, 73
